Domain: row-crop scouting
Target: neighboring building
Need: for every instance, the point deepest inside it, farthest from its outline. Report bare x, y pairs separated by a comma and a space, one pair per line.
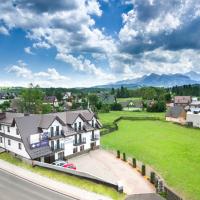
193, 117
49, 137
106, 98
132, 105
68, 96
176, 114
182, 100
51, 100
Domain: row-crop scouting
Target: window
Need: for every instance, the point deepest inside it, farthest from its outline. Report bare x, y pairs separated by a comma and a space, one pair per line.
1, 140
9, 142
19, 146
57, 130
79, 126
82, 148
52, 131
92, 123
75, 126
75, 150
0, 127
8, 128
17, 131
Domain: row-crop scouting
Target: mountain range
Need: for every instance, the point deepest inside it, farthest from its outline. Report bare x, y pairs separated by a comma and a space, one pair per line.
156, 80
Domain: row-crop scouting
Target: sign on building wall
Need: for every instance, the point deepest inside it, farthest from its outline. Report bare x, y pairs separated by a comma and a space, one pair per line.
39, 140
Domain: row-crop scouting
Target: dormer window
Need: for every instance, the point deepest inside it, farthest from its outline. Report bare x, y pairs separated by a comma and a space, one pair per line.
79, 126
75, 126
57, 130
8, 129
0, 127
52, 132
92, 123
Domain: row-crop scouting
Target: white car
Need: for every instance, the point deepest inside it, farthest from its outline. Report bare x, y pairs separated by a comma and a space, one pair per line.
59, 163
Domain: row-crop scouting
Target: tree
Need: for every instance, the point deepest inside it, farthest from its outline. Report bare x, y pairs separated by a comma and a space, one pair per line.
168, 97
46, 108
157, 106
32, 99
116, 106
5, 105
105, 108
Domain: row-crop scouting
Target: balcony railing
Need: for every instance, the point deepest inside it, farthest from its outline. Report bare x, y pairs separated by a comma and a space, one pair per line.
57, 148
95, 137
79, 142
56, 134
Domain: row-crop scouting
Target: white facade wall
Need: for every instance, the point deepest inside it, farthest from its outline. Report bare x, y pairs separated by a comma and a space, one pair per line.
77, 122
14, 147
194, 118
69, 146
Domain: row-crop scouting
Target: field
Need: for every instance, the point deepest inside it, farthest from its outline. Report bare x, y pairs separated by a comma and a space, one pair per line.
172, 150
108, 118
128, 99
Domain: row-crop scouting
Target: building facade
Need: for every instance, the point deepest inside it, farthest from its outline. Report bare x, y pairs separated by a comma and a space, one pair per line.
49, 137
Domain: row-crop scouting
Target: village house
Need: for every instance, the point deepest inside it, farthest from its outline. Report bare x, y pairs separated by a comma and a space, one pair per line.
176, 114
193, 117
52, 100
49, 137
132, 105
182, 100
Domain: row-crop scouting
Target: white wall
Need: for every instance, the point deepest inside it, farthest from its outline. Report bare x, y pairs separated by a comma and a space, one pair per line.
69, 145
195, 118
77, 122
14, 148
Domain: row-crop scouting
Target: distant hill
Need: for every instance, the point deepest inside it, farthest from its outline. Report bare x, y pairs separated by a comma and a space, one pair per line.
156, 80
193, 75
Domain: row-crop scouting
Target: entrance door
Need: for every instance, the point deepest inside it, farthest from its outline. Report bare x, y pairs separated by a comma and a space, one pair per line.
61, 156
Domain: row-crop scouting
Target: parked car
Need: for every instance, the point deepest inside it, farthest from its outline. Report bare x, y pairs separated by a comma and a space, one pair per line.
64, 164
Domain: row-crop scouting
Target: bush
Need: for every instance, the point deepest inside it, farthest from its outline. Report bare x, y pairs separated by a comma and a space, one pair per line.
134, 162
124, 157
152, 177
116, 107
118, 154
105, 108
158, 106
143, 170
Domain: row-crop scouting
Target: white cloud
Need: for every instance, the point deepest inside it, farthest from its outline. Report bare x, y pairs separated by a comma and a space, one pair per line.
49, 78
28, 50
3, 30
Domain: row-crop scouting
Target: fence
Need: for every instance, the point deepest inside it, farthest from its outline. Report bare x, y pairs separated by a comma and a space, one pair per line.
79, 174
152, 176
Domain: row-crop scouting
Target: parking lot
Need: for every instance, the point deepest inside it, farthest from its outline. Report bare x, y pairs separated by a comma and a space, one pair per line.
105, 165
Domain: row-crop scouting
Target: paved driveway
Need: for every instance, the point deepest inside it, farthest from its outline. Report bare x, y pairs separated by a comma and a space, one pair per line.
105, 165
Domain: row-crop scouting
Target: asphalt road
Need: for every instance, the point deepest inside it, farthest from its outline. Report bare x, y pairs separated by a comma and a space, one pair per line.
12, 187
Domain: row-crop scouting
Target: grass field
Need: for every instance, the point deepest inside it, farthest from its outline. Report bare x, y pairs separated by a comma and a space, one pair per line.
108, 118
128, 99
72, 180
172, 150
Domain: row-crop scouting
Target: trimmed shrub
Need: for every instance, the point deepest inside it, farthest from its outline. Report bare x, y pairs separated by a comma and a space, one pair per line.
143, 170
118, 153
152, 177
134, 162
124, 157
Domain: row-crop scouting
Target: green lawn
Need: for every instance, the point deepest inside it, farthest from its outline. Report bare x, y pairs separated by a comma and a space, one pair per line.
173, 150
128, 99
62, 177
108, 118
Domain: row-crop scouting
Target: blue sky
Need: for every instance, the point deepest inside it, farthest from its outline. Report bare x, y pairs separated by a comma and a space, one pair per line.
90, 42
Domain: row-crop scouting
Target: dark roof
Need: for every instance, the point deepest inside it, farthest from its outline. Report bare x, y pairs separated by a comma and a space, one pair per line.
27, 126
132, 103
175, 111
50, 99
9, 117
150, 196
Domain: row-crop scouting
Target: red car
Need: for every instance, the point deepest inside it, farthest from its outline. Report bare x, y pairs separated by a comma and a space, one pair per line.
69, 166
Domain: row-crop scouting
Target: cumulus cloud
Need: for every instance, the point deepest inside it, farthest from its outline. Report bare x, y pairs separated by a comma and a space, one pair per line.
28, 50
48, 78
4, 30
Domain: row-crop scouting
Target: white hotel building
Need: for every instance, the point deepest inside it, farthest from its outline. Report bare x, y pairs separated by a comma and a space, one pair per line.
49, 137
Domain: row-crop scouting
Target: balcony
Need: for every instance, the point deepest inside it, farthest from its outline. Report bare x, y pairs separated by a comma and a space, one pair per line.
95, 138
56, 135
79, 142
58, 148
